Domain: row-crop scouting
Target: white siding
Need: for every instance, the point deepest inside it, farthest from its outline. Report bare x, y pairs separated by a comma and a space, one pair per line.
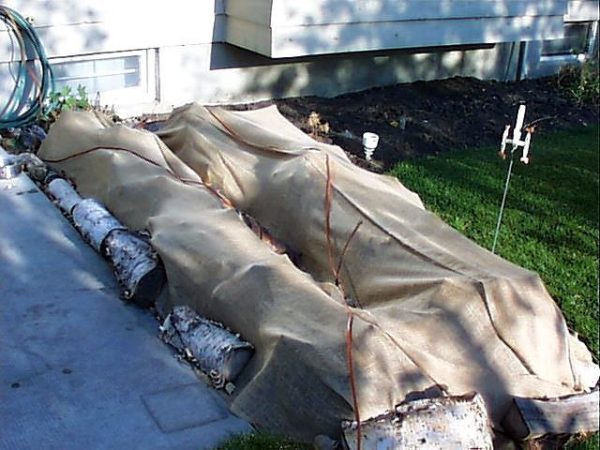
289, 28
582, 11
282, 13
71, 27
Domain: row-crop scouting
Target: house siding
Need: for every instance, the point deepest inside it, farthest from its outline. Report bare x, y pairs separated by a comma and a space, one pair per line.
192, 56
288, 28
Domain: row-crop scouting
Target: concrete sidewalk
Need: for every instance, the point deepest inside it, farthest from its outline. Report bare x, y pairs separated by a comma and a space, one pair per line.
78, 367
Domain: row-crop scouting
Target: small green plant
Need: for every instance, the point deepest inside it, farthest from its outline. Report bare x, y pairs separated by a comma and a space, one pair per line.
68, 99
581, 82
64, 99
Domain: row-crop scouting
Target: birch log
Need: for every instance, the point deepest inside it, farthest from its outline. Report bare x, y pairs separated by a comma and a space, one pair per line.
438, 423
135, 263
532, 418
65, 195
136, 266
220, 353
94, 222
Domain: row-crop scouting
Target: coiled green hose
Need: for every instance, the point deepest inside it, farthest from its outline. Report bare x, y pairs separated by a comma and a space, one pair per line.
33, 79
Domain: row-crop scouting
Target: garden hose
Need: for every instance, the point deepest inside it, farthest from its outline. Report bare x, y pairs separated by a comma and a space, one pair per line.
33, 79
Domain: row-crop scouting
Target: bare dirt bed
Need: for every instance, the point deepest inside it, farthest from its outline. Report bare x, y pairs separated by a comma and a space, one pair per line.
430, 117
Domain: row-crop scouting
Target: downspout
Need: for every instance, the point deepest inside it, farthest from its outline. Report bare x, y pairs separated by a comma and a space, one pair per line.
509, 62
592, 47
521, 60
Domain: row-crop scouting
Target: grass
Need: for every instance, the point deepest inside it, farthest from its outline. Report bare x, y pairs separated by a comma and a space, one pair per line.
590, 443
262, 441
550, 222
550, 225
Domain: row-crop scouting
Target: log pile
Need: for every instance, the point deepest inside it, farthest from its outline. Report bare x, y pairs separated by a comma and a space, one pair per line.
217, 351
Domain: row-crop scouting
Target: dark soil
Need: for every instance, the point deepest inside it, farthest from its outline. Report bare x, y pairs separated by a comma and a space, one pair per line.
438, 116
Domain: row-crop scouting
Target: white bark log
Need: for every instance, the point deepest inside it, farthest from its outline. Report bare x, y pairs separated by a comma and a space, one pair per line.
64, 194
136, 266
219, 352
135, 263
438, 423
94, 222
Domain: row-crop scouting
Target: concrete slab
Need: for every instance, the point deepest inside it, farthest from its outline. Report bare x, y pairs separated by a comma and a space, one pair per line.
78, 367
183, 407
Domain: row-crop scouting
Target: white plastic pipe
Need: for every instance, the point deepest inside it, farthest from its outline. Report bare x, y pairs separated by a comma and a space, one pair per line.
370, 142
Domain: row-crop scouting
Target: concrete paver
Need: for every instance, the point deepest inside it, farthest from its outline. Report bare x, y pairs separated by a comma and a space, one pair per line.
79, 368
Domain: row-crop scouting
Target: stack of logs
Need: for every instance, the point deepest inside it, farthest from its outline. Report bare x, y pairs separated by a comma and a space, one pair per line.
217, 351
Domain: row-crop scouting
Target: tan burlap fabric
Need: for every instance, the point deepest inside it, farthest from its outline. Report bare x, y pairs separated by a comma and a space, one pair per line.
435, 307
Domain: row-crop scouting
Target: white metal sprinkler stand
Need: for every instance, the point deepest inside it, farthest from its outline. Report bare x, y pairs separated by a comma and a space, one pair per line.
516, 143
516, 138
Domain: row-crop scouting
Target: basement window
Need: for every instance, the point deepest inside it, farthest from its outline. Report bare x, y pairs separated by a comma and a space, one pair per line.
115, 78
575, 42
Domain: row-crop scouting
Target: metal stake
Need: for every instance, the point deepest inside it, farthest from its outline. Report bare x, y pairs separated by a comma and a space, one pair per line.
508, 174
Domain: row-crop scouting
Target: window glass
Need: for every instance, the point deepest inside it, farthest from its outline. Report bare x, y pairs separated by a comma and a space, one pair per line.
100, 75
575, 41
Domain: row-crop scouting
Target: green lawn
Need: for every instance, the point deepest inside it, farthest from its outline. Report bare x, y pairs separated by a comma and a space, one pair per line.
550, 224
